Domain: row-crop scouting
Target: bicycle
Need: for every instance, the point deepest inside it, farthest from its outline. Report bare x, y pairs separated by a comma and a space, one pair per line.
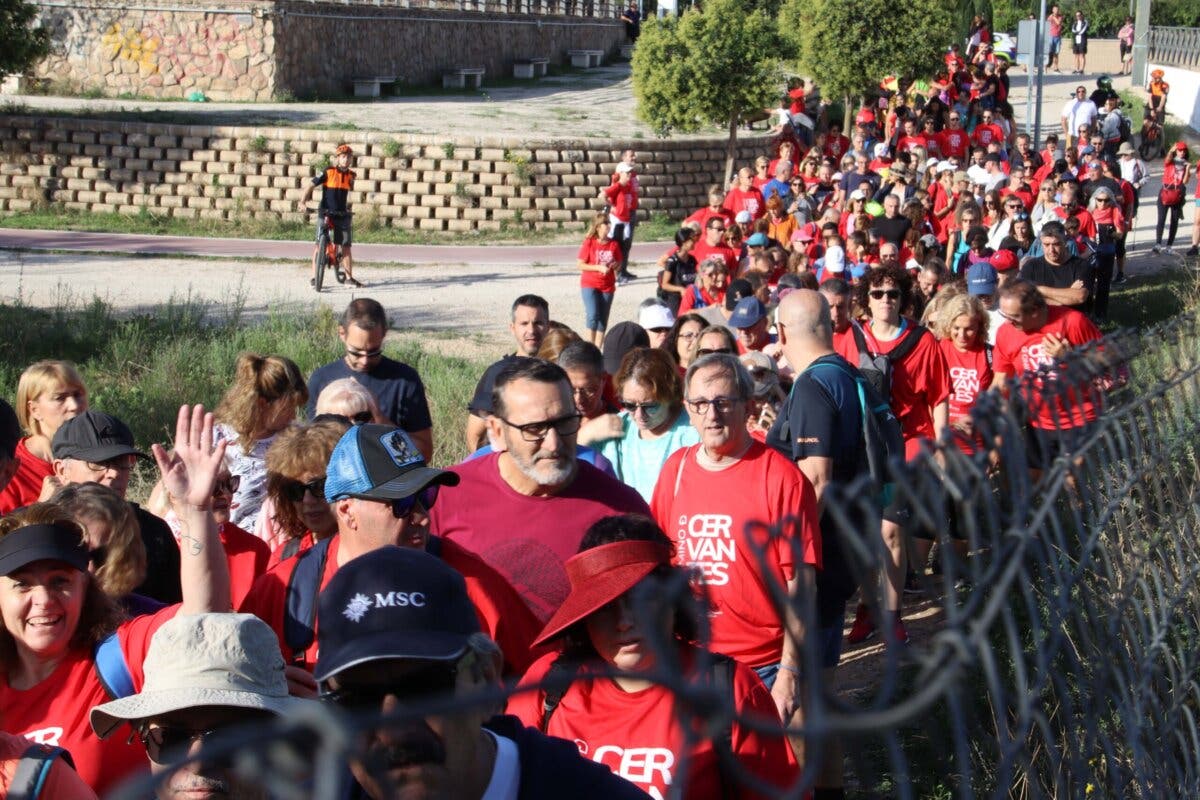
1151, 144
327, 250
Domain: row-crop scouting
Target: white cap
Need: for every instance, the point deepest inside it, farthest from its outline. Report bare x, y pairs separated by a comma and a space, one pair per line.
933, 162
835, 259
944, 166
656, 316
742, 218
858, 194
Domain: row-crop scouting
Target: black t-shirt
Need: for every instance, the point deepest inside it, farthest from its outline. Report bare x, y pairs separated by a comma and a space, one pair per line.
481, 401
681, 270
852, 180
162, 559
397, 388
1043, 273
823, 418
892, 230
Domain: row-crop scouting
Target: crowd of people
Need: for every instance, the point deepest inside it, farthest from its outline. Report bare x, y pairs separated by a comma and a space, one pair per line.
642, 510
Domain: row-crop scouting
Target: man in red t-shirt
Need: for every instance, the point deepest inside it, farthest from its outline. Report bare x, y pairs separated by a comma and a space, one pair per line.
987, 131
714, 209
524, 508
744, 197
837, 294
953, 141
713, 244
734, 506
382, 493
1032, 341
911, 138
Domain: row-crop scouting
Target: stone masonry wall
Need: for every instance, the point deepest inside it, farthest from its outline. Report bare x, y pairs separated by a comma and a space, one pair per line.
168, 52
414, 182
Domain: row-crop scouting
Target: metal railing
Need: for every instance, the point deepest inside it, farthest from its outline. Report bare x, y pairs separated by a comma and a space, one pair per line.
1065, 661
1175, 47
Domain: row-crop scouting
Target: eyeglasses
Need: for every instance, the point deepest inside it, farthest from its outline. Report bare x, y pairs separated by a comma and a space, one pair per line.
649, 409
227, 485
723, 405
716, 228
708, 351
361, 418
119, 463
688, 336
422, 684
567, 425
354, 352
294, 490
170, 739
890, 294
1012, 205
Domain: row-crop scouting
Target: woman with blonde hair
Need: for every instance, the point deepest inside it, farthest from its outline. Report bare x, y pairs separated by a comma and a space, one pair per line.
267, 392
48, 394
115, 548
348, 398
296, 463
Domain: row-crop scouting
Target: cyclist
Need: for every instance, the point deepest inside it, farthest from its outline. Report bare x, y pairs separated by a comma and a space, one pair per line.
1156, 109
336, 183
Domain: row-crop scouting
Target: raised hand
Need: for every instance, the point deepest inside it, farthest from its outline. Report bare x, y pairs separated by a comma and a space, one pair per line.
190, 472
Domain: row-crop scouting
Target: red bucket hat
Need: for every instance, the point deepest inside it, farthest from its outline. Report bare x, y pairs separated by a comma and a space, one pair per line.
601, 575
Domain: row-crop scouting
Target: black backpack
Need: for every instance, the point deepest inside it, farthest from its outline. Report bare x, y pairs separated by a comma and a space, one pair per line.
877, 367
33, 769
562, 674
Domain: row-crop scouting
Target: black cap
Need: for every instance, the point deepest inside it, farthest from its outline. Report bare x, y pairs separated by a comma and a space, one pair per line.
379, 462
394, 602
736, 291
94, 436
623, 337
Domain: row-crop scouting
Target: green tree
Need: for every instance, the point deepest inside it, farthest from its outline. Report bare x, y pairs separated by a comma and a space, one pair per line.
707, 67
848, 47
21, 45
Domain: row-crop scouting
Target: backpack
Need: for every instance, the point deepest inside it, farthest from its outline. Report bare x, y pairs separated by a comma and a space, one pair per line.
562, 674
876, 367
33, 768
300, 609
1126, 128
883, 439
111, 668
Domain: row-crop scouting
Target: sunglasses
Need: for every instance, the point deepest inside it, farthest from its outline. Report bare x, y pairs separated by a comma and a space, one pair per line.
890, 294
431, 681
175, 740
361, 418
649, 409
368, 354
294, 490
708, 351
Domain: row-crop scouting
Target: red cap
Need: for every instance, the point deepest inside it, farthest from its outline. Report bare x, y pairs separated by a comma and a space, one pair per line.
1004, 260
1181, 146
864, 117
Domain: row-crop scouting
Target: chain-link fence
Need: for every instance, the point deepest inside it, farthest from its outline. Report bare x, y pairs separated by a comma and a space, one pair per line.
1059, 657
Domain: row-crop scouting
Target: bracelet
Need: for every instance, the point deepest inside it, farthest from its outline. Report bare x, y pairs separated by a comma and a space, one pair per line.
787, 668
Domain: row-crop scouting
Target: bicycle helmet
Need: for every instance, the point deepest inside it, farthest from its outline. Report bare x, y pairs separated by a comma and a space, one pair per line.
344, 148
1104, 82
1157, 74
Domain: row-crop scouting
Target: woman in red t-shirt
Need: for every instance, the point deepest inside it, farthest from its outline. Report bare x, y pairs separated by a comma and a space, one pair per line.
621, 581
962, 326
709, 288
599, 259
55, 613
1176, 171
48, 394
296, 465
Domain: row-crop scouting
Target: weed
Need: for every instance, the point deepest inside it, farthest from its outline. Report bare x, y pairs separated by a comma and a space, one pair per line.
391, 148
448, 149
521, 168
287, 147
461, 192
322, 163
258, 144
284, 96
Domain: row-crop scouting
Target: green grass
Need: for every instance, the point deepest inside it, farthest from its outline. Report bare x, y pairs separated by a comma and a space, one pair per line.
141, 367
368, 229
1149, 299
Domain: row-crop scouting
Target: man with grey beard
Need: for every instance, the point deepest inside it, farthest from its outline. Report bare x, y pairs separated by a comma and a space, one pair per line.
524, 508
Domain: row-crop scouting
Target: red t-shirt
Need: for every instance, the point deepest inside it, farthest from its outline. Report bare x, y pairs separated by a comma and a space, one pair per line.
622, 200
1087, 225
702, 251
751, 201
908, 143
502, 615
953, 143
705, 214
595, 251
638, 735
55, 711
1020, 354
970, 376
983, 135
942, 198
919, 383
527, 539
696, 297
26, 485
717, 519
247, 556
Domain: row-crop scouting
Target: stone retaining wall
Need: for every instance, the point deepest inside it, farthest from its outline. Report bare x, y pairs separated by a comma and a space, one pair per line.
204, 172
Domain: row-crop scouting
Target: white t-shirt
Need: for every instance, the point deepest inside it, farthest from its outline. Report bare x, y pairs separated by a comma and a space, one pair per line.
1078, 112
506, 772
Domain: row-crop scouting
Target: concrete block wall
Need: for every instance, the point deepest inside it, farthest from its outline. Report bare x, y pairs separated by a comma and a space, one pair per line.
413, 182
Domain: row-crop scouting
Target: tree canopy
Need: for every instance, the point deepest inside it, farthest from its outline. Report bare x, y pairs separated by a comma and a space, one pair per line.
707, 67
849, 47
21, 45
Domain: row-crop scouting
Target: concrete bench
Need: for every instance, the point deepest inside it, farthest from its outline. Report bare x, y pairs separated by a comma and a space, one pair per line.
531, 68
586, 59
462, 77
369, 87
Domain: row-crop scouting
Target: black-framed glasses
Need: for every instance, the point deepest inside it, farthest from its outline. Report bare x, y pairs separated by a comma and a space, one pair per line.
566, 425
708, 351
164, 740
688, 336
723, 405
119, 463
228, 484
294, 490
649, 409
438, 678
890, 294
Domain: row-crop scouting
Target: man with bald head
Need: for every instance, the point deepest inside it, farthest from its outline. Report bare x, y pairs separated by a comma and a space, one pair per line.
820, 428
889, 255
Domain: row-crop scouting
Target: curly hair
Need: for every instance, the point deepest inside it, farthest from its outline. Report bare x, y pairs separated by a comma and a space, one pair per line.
298, 450
655, 371
100, 613
265, 378
124, 566
876, 277
39, 378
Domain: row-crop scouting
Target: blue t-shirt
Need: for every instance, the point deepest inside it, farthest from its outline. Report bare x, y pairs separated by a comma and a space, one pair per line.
396, 387
639, 461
